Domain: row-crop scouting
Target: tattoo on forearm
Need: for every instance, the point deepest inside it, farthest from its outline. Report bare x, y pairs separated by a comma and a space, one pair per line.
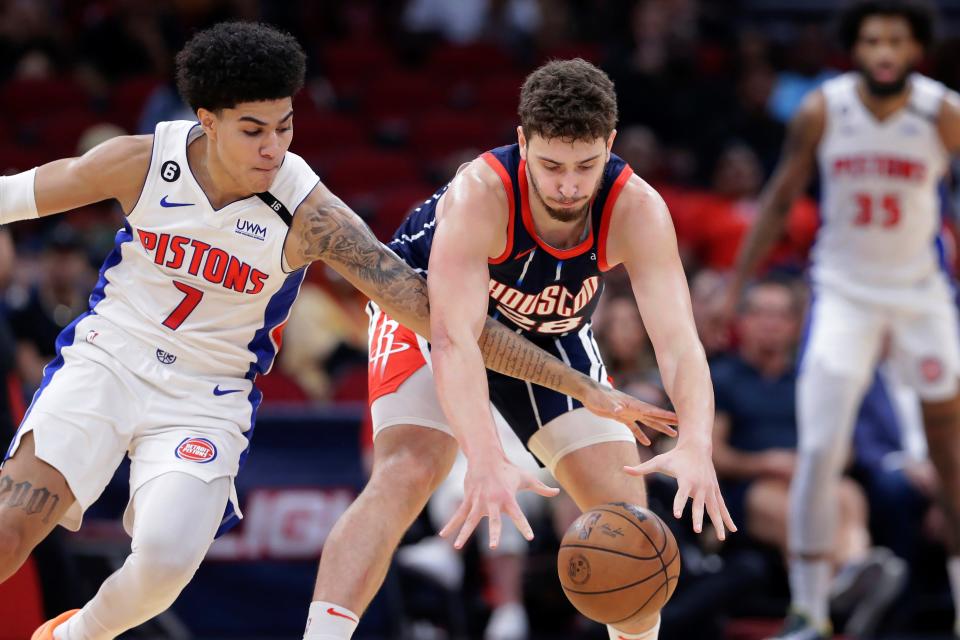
23, 495
506, 352
333, 233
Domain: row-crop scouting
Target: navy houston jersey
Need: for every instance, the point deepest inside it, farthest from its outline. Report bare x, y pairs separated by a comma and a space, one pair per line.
539, 289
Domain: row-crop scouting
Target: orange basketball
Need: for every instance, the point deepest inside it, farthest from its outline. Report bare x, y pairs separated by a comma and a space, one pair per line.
618, 561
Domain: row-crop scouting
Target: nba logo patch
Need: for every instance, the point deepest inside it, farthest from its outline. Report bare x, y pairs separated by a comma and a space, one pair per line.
197, 450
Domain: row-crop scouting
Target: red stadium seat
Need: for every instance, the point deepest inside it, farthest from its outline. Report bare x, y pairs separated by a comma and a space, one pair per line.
371, 170
468, 61
132, 94
32, 98
59, 135
500, 95
440, 133
394, 204
349, 61
588, 51
323, 131
15, 157
403, 95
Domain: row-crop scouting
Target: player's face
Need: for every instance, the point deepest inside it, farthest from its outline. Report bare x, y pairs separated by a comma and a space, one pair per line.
251, 140
885, 53
769, 321
565, 175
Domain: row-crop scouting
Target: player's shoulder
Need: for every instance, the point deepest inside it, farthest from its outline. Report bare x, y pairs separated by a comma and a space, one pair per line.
639, 202
478, 181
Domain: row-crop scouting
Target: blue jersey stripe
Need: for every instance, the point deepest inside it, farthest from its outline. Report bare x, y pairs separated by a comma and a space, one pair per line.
68, 335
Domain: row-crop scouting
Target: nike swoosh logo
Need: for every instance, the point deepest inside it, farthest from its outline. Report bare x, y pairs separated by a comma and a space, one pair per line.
523, 253
334, 612
217, 391
164, 203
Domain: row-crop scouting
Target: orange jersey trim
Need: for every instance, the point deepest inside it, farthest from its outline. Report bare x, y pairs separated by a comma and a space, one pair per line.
508, 187
607, 214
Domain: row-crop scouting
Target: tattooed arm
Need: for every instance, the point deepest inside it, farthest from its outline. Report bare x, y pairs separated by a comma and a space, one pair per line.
325, 228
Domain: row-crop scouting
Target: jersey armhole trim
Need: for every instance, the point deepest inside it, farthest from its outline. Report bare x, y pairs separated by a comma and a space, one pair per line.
607, 214
288, 220
501, 171
146, 176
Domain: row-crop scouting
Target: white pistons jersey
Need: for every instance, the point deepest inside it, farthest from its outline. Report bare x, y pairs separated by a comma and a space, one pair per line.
880, 205
206, 286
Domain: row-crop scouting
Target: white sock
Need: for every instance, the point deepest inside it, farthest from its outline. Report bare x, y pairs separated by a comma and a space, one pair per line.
649, 634
328, 621
953, 570
810, 589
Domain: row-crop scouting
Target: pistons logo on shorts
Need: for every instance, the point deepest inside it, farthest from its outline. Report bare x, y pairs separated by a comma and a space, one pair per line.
931, 368
197, 450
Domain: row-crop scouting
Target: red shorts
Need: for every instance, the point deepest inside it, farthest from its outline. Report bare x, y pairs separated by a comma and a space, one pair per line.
395, 353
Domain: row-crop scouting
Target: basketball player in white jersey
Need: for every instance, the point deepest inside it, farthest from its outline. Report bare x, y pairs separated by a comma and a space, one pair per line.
881, 138
221, 221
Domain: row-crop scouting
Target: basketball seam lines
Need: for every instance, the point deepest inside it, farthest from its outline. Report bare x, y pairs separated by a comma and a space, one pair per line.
619, 553
663, 566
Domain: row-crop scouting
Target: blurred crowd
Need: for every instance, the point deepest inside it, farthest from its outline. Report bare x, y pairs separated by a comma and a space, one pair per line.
400, 93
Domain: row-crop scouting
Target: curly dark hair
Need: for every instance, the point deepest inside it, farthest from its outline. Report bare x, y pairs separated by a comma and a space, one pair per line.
918, 13
234, 62
568, 99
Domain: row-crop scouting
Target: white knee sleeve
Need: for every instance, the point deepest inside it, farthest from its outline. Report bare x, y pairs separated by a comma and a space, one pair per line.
827, 405
175, 520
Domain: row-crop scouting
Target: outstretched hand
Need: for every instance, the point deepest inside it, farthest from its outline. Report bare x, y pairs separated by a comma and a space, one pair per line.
692, 466
490, 488
610, 403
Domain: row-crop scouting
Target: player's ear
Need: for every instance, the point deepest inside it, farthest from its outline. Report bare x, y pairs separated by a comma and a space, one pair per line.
613, 136
208, 120
522, 141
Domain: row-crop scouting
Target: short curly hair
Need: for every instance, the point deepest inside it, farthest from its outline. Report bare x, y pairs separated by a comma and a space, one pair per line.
570, 100
234, 62
918, 13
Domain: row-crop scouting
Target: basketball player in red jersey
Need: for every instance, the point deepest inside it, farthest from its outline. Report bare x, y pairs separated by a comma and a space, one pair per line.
523, 234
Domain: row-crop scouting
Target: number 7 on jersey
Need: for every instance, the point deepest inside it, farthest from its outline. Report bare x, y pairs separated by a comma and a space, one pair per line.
191, 298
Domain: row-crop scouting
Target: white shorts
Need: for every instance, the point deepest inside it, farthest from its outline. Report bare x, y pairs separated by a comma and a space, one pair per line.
108, 394
848, 336
415, 402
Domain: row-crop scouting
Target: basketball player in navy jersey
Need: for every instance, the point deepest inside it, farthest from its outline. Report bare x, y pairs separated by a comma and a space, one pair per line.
881, 137
187, 312
523, 234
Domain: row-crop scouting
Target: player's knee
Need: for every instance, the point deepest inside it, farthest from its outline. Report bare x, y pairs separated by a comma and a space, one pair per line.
169, 563
409, 475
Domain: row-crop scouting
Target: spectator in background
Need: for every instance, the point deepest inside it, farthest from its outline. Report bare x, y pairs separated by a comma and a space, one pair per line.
755, 439
807, 68
39, 313
706, 293
326, 339
626, 349
723, 216
890, 459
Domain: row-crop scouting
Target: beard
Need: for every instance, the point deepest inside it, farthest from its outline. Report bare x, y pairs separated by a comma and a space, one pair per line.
565, 215
885, 89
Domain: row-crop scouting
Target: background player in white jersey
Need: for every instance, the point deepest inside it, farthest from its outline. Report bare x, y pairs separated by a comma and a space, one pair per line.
188, 310
880, 137
524, 234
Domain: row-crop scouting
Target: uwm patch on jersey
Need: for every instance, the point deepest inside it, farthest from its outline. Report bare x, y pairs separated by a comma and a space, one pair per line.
555, 309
